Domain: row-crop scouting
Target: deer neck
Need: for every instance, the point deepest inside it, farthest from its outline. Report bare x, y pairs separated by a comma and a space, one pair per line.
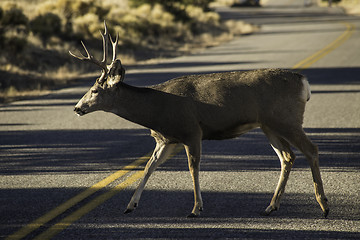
136, 104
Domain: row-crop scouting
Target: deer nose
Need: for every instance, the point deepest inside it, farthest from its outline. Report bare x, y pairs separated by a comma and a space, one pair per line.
78, 111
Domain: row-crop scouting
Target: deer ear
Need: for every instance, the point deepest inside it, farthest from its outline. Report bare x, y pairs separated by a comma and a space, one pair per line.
116, 74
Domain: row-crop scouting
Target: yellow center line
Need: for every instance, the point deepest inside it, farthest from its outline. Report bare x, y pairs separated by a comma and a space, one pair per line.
24, 231
67, 221
307, 62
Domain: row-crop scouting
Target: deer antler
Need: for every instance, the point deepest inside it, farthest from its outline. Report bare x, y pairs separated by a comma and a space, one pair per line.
105, 37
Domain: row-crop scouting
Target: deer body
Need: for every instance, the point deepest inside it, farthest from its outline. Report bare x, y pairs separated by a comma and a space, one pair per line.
221, 105
188, 109
224, 105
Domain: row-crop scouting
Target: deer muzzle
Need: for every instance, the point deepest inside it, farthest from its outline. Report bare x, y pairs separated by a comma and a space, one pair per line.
78, 111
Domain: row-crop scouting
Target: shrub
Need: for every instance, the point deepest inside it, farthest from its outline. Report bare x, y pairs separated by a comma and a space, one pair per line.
14, 17
88, 25
148, 25
79, 18
1, 30
175, 7
204, 4
76, 8
14, 46
46, 26
333, 1
145, 22
13, 32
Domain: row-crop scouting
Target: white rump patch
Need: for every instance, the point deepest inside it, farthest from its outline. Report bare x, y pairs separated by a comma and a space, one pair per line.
306, 93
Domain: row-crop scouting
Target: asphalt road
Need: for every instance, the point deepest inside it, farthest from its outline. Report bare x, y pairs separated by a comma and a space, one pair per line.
48, 155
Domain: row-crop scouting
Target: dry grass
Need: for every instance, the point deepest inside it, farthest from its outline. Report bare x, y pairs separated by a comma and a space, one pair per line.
38, 68
350, 6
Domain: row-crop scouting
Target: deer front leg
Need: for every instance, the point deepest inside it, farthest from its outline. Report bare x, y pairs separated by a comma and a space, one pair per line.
161, 153
193, 153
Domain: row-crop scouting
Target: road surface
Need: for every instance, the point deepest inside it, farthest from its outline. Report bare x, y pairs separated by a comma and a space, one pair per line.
65, 177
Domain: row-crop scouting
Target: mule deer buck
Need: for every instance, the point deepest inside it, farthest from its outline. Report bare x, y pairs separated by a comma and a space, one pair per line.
188, 109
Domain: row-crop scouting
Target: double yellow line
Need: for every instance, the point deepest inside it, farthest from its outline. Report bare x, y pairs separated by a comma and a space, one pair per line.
52, 231
129, 170
76, 215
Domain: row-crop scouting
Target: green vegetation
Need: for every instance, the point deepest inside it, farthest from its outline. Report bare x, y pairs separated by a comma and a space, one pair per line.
35, 39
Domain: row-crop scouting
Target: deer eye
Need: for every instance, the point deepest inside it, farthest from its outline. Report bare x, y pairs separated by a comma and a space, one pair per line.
94, 91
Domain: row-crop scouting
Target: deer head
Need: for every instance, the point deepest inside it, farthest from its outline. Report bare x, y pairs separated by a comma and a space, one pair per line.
100, 94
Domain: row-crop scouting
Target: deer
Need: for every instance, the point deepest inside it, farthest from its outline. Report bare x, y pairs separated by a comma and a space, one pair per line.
213, 106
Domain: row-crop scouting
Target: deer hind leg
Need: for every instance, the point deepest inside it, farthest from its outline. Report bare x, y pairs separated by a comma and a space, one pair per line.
287, 158
298, 138
193, 153
310, 150
161, 153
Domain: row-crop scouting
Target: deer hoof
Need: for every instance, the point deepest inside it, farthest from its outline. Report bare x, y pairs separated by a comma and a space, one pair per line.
326, 212
128, 211
268, 210
264, 213
192, 215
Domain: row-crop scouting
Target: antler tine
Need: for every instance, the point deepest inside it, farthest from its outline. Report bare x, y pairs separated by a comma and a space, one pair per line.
82, 57
89, 58
114, 44
105, 37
